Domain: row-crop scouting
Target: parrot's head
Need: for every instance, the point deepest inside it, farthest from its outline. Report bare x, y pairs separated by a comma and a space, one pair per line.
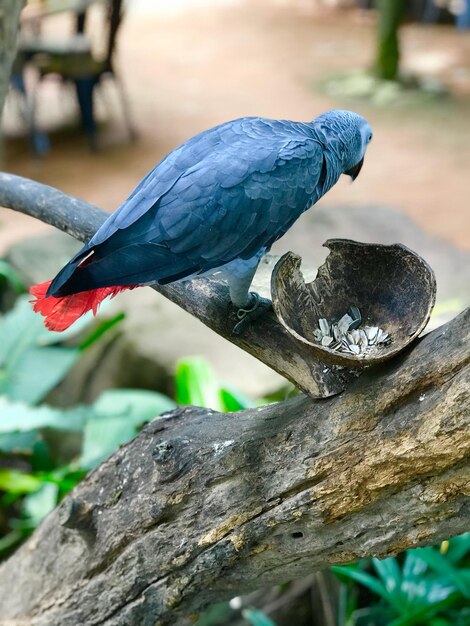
348, 135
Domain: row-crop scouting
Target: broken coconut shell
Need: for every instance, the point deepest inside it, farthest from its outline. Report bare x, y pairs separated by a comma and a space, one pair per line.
392, 286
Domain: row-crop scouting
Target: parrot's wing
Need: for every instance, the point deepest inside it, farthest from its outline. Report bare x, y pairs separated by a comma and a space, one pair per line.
208, 219
184, 160
229, 198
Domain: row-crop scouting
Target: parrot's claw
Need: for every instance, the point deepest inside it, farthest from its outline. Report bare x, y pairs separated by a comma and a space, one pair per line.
246, 316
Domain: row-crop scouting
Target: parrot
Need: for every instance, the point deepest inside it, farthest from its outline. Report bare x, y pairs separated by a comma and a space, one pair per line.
212, 207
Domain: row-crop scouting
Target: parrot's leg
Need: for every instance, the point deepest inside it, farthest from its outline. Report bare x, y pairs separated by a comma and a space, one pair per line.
258, 307
250, 305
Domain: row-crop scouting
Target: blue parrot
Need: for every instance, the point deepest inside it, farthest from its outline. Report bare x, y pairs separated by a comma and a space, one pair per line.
215, 204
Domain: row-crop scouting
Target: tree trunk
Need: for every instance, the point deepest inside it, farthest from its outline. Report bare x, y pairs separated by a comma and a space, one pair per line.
9, 18
202, 506
388, 50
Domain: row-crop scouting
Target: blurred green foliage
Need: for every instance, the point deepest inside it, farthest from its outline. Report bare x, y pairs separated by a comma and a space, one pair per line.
45, 450
255, 617
197, 384
388, 51
421, 587
10, 277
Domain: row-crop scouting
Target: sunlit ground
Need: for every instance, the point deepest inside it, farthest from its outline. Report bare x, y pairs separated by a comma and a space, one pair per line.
188, 65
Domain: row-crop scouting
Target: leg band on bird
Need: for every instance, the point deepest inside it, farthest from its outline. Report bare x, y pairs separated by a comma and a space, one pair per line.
247, 315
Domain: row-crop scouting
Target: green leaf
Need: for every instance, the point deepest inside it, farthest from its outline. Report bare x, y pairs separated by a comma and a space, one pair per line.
363, 578
17, 482
19, 443
38, 370
376, 615
234, 400
9, 541
421, 616
66, 480
9, 273
443, 567
458, 548
138, 405
117, 415
19, 329
37, 505
389, 573
257, 618
100, 329
29, 368
196, 384
32, 359
102, 436
413, 567
19, 417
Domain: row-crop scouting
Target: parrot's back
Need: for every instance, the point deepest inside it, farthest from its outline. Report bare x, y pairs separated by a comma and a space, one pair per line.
225, 194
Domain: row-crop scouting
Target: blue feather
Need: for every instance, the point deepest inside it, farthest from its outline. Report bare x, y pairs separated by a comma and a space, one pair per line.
226, 194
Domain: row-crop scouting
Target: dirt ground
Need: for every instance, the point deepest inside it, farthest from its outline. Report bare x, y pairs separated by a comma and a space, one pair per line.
189, 65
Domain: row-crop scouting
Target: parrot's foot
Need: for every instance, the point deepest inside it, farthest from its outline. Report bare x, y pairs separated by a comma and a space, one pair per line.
258, 307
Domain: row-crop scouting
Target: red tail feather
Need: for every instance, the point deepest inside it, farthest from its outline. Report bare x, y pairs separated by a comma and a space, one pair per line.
60, 313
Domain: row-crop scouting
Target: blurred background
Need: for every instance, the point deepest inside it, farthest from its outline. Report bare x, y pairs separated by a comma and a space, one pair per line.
100, 92
157, 72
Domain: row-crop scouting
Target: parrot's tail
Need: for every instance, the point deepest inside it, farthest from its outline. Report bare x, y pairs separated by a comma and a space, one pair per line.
62, 312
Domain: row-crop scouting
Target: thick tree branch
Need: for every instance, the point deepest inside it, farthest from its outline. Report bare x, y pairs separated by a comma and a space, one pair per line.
208, 300
202, 506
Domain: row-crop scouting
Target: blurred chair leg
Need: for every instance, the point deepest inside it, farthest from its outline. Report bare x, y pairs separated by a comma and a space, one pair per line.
39, 141
431, 12
84, 88
125, 108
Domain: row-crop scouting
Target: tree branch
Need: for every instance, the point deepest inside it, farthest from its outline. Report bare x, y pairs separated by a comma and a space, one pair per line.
202, 506
208, 300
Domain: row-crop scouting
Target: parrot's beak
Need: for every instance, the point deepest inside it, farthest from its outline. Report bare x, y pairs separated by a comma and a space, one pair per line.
354, 171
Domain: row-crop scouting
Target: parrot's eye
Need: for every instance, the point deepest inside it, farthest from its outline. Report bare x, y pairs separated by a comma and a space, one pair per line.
369, 138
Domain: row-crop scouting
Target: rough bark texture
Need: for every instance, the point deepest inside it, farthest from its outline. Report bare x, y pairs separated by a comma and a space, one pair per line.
202, 506
9, 17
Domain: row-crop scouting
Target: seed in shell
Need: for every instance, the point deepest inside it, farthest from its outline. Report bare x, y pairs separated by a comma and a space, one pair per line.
346, 335
324, 327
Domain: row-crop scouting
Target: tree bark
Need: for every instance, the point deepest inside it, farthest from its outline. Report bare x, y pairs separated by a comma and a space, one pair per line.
202, 506
9, 18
